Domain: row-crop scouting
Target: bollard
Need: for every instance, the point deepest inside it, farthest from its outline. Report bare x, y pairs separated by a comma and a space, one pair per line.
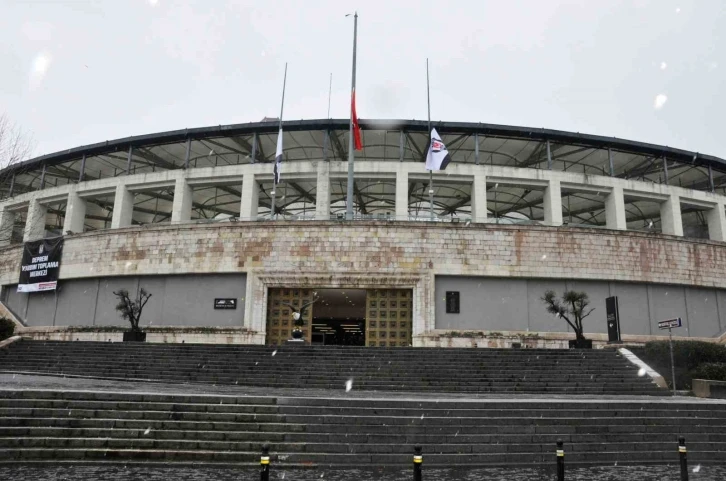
560, 461
684, 458
265, 463
417, 461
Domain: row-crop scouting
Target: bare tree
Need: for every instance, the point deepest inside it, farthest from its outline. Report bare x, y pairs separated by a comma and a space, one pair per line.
572, 308
15, 144
131, 310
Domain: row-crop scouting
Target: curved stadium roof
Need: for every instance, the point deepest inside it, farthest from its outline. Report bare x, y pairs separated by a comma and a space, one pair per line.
384, 140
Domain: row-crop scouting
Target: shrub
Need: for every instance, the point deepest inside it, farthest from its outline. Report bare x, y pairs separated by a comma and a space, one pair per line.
715, 371
7, 328
686, 354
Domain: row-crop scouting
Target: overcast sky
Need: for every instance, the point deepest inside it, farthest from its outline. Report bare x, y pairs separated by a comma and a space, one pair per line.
80, 72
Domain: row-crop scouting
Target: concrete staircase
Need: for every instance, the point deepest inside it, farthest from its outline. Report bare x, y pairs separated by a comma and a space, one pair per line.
594, 372
56, 426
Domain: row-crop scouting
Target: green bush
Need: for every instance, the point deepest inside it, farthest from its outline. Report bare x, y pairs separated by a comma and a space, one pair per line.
688, 356
7, 328
715, 371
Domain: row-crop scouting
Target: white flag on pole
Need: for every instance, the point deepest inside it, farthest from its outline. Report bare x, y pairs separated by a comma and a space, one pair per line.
437, 157
278, 158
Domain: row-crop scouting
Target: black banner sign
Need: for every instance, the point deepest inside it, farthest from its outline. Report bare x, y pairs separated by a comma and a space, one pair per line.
225, 303
40, 265
613, 312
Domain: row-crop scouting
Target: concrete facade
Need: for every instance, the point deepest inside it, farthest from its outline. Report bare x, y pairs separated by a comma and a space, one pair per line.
506, 304
179, 301
382, 254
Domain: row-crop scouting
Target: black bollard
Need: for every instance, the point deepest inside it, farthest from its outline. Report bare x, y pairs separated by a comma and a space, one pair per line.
265, 463
560, 461
417, 461
684, 458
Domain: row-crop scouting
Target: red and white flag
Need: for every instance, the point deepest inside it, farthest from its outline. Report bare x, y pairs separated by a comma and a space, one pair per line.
356, 127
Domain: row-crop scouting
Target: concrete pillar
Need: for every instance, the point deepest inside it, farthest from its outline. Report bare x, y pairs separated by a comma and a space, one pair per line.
670, 216
35, 223
75, 214
7, 222
181, 209
250, 198
716, 219
479, 198
123, 207
615, 210
322, 196
553, 203
401, 194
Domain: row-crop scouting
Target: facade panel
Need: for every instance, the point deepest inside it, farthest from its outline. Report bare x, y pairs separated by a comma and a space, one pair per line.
189, 300
703, 313
76, 302
485, 304
633, 305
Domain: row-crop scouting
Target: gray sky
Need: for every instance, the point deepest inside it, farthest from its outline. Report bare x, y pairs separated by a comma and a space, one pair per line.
80, 72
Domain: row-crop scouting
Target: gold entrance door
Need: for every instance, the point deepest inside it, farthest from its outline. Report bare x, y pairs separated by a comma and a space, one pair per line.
388, 317
279, 315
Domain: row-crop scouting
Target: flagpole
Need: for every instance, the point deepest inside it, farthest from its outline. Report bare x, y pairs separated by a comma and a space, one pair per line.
351, 144
330, 92
273, 214
431, 172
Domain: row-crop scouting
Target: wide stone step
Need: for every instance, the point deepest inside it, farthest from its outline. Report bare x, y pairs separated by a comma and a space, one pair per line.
377, 459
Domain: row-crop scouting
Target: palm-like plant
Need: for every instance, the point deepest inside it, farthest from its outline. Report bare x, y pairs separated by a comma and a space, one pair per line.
572, 308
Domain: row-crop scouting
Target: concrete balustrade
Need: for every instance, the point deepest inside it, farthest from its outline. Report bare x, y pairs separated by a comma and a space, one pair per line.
614, 191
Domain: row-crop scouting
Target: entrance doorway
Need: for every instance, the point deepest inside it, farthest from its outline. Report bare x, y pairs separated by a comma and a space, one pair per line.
344, 317
340, 317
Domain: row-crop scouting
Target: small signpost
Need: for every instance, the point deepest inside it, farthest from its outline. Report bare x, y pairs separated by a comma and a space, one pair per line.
671, 324
613, 318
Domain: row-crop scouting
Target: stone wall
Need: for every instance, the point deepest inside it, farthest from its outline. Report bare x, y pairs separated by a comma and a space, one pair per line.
330, 250
175, 335
388, 247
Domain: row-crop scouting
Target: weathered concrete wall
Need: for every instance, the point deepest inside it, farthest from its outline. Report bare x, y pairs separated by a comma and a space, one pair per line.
308, 253
507, 304
183, 300
445, 249
171, 335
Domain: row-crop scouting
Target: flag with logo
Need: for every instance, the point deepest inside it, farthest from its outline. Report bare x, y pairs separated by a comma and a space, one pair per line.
437, 157
278, 158
356, 127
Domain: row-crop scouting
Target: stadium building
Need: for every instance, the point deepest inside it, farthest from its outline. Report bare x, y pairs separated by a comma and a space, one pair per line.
188, 216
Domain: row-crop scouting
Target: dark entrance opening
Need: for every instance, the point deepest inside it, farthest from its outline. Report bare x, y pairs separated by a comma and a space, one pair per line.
339, 317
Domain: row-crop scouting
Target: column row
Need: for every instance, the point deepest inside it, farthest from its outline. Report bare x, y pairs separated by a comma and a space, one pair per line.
182, 204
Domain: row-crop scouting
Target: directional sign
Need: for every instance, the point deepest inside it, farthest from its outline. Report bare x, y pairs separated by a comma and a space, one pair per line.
670, 323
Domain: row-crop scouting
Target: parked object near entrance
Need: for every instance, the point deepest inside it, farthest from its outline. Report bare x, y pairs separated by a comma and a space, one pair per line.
573, 309
131, 311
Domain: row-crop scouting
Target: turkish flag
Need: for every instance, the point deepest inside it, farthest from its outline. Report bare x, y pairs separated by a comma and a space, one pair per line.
356, 127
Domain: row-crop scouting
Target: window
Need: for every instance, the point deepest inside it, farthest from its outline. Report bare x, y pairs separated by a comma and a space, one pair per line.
452, 302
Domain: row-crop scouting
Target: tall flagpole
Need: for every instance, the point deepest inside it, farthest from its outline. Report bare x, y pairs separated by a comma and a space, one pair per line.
273, 214
431, 172
351, 144
330, 92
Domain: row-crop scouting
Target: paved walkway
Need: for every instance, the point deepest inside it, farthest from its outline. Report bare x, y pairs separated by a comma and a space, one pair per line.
149, 473
10, 381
